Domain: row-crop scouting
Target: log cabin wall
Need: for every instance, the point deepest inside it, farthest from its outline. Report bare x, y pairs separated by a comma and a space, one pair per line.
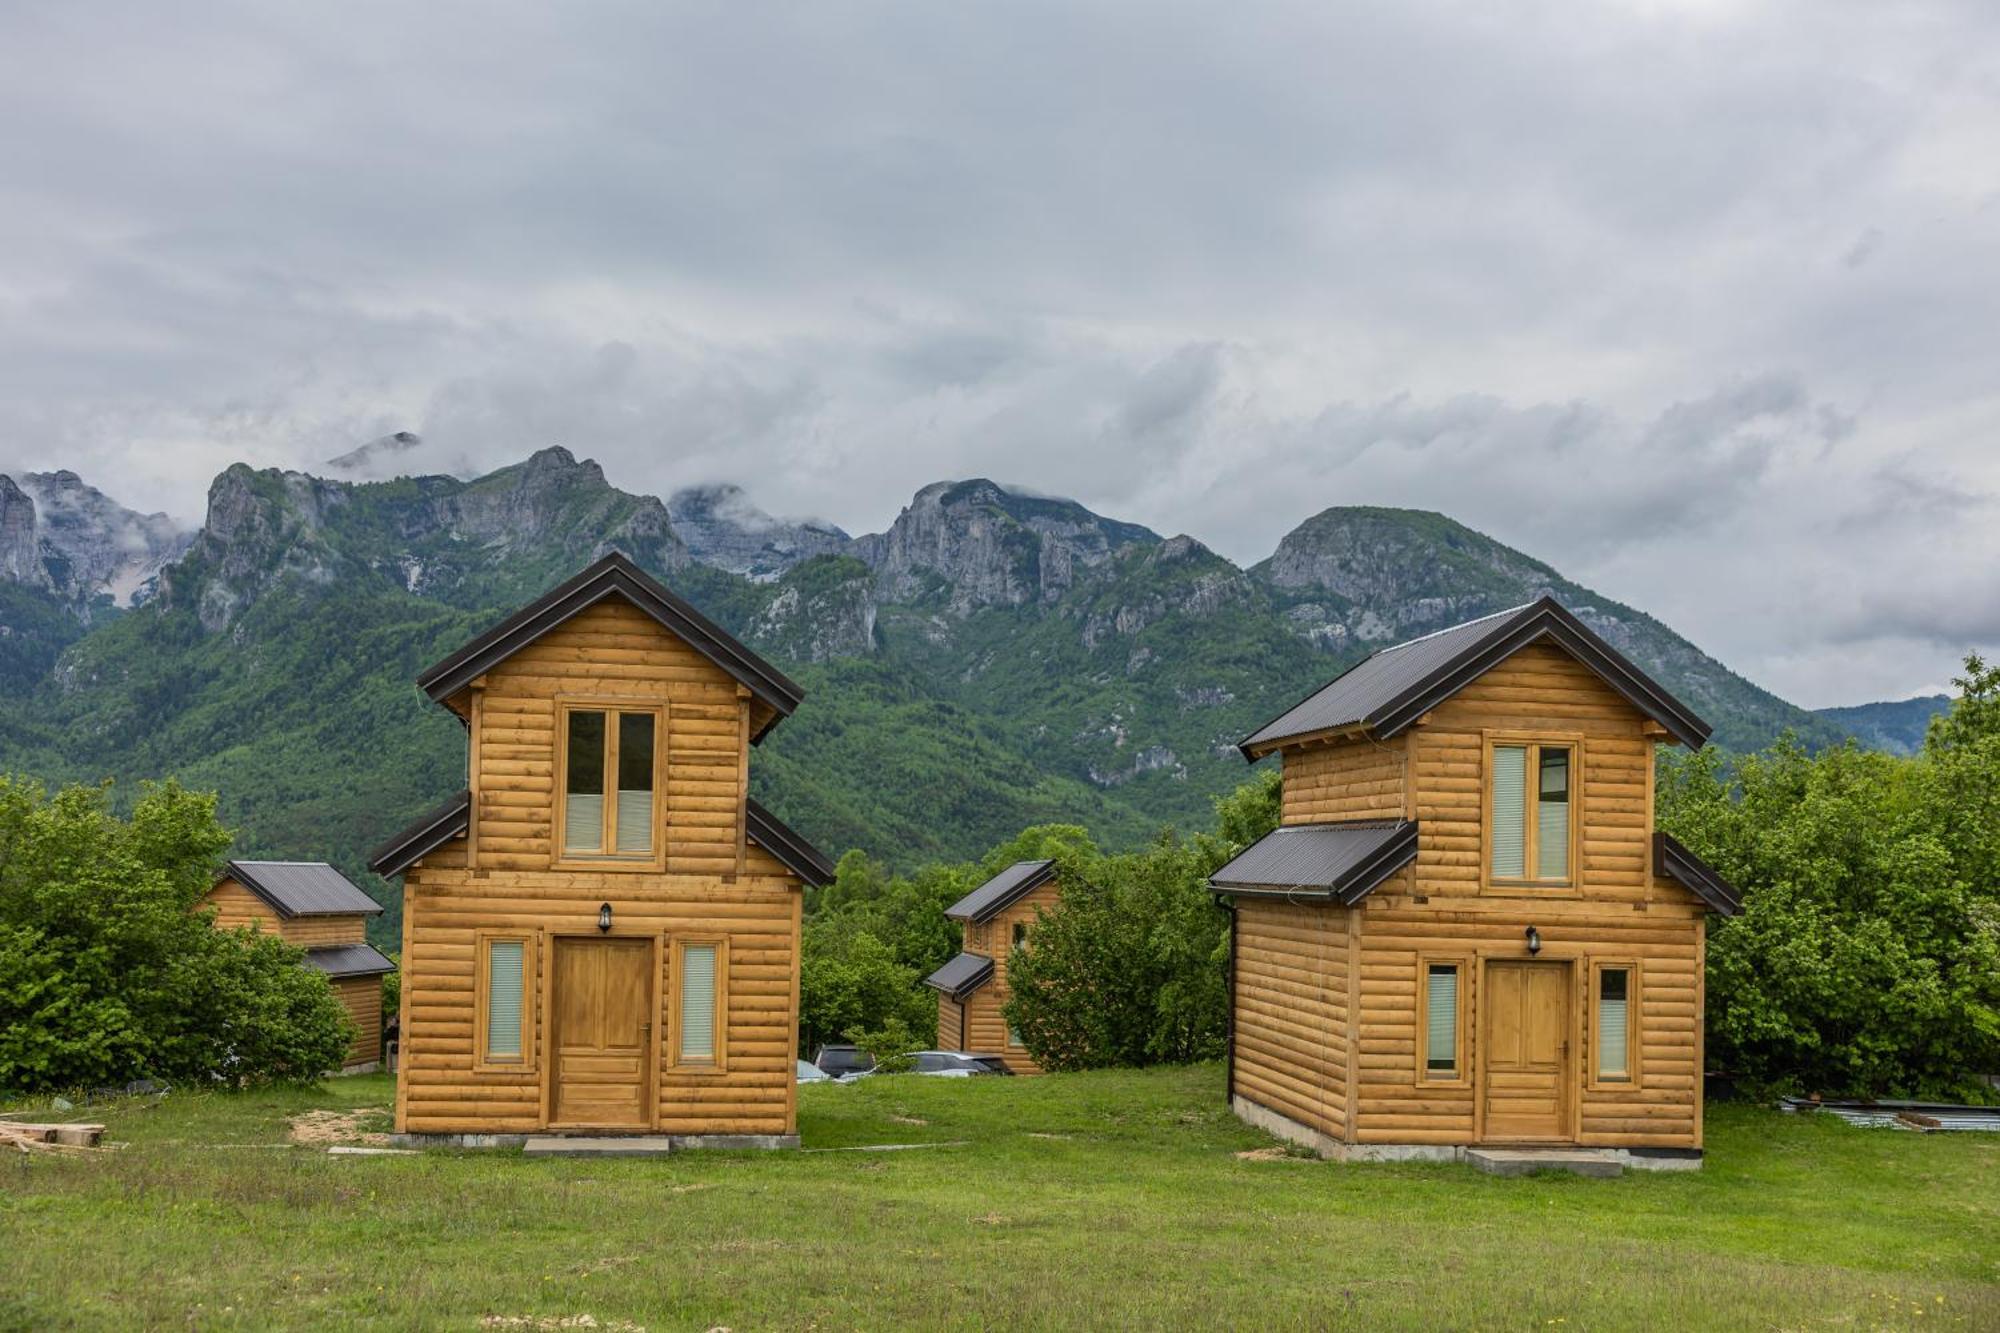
951, 1024
751, 1092
361, 997
985, 1025
1290, 1039
610, 651
1444, 907
236, 906
1352, 778
708, 885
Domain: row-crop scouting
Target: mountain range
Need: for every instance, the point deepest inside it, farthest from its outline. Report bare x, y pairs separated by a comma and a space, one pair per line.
992, 659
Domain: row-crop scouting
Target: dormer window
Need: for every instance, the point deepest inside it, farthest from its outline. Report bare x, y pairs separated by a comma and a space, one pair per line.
1532, 823
610, 761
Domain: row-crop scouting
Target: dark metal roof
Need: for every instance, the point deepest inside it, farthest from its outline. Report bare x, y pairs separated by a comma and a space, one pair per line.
302, 888
1332, 863
1682, 866
1009, 886
349, 960
799, 856
1388, 691
962, 975
432, 831
613, 576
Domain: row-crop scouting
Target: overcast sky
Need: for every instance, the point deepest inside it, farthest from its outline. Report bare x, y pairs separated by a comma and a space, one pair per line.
1697, 300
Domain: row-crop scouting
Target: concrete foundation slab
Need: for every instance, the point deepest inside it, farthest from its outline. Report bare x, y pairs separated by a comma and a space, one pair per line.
623, 1145
1525, 1161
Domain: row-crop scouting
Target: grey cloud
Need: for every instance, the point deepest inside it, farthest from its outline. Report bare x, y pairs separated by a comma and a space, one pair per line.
1696, 304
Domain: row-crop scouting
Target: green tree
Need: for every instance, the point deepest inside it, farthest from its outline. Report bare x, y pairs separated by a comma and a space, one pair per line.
106, 974
1867, 958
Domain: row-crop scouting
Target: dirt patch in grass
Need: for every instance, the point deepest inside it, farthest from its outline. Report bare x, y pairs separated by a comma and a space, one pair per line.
1273, 1155
323, 1129
559, 1321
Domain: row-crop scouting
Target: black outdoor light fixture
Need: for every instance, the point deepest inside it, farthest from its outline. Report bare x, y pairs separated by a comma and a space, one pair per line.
604, 917
1534, 939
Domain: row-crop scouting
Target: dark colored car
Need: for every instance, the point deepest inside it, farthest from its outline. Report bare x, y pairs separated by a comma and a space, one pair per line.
840, 1061
952, 1064
994, 1064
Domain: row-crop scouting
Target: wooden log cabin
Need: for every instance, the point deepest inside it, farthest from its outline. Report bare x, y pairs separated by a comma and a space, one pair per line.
997, 918
1466, 931
314, 906
601, 933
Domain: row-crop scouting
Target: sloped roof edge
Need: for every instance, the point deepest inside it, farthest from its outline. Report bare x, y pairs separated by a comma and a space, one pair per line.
613, 575
1007, 887
798, 856
1392, 705
1676, 862
431, 831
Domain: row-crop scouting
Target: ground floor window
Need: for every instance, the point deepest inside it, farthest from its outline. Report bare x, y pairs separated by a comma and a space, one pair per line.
1615, 993
700, 1005
503, 1002
1441, 1026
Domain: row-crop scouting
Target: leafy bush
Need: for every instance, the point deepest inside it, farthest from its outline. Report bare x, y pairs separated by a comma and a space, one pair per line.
1867, 958
106, 975
1132, 967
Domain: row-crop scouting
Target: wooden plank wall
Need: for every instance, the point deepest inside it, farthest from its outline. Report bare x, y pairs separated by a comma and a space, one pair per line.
1290, 1004
985, 1025
758, 913
610, 650
1618, 912
951, 1028
235, 906
362, 998
1348, 779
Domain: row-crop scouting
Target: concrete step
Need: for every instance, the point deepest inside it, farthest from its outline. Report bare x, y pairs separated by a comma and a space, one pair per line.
1522, 1161
594, 1145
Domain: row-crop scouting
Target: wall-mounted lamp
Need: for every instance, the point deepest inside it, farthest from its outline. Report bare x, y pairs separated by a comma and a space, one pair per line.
604, 917
1534, 940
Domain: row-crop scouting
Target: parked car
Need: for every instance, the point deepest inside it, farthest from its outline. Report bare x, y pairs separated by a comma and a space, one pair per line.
841, 1061
994, 1064
809, 1072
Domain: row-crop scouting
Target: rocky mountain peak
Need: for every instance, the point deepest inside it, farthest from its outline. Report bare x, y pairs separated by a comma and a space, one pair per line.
976, 544
20, 549
723, 527
61, 534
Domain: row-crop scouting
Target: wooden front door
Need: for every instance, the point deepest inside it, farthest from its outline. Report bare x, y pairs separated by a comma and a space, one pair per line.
1525, 1087
603, 1013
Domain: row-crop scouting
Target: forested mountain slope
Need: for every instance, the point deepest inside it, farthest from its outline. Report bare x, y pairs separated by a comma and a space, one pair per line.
992, 660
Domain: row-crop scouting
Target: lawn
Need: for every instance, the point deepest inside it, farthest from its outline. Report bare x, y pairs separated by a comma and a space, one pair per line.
1094, 1200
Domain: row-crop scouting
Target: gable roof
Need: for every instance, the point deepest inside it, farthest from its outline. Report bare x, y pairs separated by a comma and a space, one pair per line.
432, 830
614, 576
1330, 863
962, 975
795, 853
1390, 690
301, 888
1682, 866
349, 960
1009, 886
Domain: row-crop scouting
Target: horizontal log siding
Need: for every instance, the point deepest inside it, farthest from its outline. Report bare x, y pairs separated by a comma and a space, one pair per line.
236, 906
1394, 1106
1615, 911
951, 1027
610, 651
1350, 779
1290, 1005
362, 998
440, 1092
985, 1025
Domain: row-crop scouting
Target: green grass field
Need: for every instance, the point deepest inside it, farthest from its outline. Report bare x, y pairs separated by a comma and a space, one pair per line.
1093, 1200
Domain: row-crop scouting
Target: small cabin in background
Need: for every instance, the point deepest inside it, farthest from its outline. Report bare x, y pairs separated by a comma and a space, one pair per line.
601, 933
998, 918
314, 906
1466, 931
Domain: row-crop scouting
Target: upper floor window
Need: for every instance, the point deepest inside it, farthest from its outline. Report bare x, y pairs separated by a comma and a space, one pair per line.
608, 769
1532, 812
1020, 934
